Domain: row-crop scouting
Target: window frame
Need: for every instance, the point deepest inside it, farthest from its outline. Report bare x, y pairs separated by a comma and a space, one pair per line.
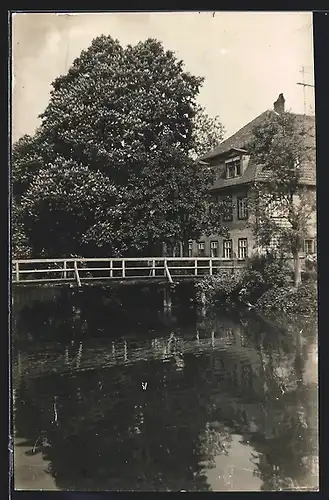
190, 248
237, 164
212, 248
240, 248
230, 168
234, 166
312, 240
242, 212
230, 248
203, 250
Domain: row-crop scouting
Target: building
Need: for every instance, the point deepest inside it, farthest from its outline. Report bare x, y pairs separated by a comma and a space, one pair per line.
235, 178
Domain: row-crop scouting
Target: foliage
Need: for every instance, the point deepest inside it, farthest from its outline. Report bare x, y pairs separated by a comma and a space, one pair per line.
215, 440
208, 132
126, 122
27, 161
62, 193
265, 283
289, 299
263, 272
20, 244
284, 205
221, 288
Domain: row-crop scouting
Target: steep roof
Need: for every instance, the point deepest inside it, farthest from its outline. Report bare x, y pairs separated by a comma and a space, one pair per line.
253, 172
238, 140
248, 176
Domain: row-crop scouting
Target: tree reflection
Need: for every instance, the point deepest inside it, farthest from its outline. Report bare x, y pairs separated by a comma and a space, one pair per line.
288, 444
214, 440
86, 411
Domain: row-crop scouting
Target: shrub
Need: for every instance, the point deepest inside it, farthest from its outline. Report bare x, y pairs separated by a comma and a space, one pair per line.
289, 299
223, 287
265, 282
262, 273
273, 267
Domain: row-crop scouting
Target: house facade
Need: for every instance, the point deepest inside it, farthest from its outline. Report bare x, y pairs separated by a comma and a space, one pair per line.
236, 174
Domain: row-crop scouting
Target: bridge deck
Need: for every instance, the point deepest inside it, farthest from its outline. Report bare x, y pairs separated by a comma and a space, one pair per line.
78, 271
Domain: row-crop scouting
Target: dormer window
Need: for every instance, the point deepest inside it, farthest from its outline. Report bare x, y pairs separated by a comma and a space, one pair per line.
233, 167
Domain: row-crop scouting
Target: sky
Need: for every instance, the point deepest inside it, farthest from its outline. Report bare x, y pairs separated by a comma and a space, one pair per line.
246, 58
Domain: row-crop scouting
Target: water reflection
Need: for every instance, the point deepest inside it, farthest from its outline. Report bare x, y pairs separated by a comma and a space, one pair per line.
154, 401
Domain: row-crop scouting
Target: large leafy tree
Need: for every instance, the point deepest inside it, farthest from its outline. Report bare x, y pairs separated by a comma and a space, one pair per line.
111, 168
284, 148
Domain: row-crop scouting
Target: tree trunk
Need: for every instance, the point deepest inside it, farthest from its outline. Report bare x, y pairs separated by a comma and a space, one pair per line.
297, 269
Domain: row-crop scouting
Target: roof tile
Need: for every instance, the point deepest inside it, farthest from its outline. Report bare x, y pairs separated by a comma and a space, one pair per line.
253, 172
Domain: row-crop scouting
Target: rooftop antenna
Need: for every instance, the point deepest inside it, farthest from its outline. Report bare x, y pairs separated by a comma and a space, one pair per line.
304, 85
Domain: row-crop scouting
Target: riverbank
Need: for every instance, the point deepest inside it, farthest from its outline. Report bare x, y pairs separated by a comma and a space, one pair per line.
265, 285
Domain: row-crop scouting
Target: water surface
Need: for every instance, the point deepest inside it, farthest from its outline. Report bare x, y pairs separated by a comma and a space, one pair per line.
119, 395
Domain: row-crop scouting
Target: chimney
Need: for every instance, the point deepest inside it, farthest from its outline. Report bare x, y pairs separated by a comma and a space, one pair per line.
279, 104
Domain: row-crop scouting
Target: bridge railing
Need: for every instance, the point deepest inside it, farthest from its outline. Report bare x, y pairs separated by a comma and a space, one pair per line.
102, 269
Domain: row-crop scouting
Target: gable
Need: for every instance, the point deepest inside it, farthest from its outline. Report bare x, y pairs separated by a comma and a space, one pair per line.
239, 140
237, 145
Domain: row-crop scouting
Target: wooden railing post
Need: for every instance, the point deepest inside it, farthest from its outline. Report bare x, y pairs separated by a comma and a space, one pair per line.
77, 274
65, 269
195, 267
167, 271
210, 266
17, 270
111, 268
123, 269
153, 270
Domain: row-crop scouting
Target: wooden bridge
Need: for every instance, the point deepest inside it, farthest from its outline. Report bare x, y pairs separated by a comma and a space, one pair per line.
79, 271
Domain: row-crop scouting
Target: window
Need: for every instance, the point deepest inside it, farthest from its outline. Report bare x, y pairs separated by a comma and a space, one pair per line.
214, 248
242, 208
228, 208
242, 248
229, 171
227, 249
201, 249
190, 248
233, 168
309, 246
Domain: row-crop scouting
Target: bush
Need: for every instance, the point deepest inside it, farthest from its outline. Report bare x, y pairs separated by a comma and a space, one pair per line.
266, 283
262, 273
224, 287
274, 268
289, 299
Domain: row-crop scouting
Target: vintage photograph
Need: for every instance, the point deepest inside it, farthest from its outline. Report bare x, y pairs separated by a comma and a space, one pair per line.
163, 252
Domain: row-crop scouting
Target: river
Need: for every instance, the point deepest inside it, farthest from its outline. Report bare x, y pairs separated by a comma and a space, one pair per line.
112, 394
